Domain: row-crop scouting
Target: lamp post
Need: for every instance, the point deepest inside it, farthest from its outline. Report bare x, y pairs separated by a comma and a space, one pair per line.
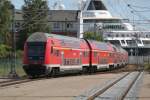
13, 73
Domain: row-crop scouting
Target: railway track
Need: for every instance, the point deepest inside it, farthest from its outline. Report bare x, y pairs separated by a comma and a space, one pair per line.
14, 82
18, 81
117, 89
24, 80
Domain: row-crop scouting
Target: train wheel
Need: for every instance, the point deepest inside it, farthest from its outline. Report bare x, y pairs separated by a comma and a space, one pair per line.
111, 67
55, 71
85, 69
93, 69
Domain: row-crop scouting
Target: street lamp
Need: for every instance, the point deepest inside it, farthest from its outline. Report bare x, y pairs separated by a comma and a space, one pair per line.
13, 73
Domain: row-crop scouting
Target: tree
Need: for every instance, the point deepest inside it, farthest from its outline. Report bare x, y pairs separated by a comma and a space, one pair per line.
35, 15
93, 36
5, 21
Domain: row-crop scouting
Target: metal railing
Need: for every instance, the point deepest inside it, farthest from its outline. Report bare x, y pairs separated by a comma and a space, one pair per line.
139, 59
5, 67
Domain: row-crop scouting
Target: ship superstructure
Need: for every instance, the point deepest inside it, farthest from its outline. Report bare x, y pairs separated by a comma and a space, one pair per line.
95, 17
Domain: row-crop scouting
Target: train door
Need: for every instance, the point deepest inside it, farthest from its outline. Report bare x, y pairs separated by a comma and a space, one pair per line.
80, 58
62, 58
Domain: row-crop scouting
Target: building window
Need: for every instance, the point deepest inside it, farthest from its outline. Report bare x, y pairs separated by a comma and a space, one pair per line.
69, 25
56, 25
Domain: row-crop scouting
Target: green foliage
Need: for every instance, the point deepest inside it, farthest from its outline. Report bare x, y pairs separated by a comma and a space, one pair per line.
35, 15
147, 67
4, 51
22, 38
19, 54
5, 21
93, 36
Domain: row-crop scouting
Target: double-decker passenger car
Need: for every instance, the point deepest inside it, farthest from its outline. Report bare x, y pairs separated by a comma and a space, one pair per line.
49, 54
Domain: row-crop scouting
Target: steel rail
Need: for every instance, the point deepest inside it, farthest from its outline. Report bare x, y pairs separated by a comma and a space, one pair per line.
92, 97
14, 82
129, 87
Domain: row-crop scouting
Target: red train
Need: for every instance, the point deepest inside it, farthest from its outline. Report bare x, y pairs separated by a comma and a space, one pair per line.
49, 54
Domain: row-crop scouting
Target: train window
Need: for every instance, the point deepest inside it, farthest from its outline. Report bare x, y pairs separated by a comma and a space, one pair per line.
52, 42
95, 54
51, 50
111, 54
85, 54
57, 53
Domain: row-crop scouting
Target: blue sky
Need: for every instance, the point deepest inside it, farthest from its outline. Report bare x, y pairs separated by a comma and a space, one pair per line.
117, 8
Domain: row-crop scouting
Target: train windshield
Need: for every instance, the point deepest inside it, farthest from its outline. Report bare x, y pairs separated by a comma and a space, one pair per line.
36, 50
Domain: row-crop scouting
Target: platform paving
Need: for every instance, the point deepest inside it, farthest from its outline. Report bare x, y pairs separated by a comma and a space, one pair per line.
145, 88
64, 88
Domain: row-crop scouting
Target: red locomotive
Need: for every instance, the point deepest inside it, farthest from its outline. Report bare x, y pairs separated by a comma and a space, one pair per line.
49, 54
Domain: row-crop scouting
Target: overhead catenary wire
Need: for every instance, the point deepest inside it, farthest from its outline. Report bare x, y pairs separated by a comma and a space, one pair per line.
136, 12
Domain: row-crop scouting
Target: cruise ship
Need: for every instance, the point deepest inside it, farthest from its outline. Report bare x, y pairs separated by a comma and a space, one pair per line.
95, 17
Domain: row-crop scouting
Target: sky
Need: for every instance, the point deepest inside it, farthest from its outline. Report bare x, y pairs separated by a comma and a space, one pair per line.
140, 9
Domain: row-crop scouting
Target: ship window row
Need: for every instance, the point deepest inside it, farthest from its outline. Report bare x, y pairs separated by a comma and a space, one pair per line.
114, 27
58, 25
146, 42
126, 35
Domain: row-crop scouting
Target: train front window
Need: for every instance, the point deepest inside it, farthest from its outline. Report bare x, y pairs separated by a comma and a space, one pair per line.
36, 51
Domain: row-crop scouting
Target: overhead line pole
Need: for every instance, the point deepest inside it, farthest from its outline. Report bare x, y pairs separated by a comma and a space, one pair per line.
13, 73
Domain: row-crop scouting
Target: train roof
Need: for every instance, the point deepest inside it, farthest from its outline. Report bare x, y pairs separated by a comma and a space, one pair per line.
119, 49
42, 37
101, 45
64, 41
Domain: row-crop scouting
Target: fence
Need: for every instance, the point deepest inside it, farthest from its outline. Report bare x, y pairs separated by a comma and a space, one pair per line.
139, 59
5, 67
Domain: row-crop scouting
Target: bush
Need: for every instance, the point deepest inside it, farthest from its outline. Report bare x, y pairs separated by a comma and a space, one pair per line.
19, 53
4, 51
93, 36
